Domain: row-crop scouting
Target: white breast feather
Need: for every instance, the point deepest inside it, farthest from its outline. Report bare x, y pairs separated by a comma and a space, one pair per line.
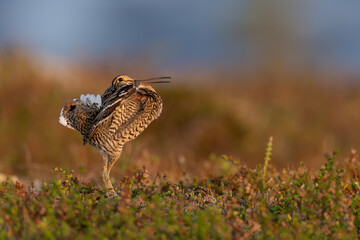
92, 98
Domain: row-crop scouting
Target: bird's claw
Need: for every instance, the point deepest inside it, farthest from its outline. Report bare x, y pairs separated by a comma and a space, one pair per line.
113, 196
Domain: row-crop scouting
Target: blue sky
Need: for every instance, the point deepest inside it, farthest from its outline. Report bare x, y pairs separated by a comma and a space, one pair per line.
183, 33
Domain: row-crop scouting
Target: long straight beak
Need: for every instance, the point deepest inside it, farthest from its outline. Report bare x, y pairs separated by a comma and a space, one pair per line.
155, 80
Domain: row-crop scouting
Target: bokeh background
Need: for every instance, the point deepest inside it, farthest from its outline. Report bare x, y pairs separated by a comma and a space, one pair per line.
242, 71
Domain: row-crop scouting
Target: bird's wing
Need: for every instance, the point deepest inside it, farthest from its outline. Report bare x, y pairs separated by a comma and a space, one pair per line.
135, 114
126, 113
119, 97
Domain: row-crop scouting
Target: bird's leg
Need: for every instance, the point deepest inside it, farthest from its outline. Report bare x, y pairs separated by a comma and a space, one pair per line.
106, 175
111, 161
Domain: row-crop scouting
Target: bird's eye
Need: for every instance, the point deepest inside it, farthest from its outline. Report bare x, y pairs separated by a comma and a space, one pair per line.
72, 107
116, 81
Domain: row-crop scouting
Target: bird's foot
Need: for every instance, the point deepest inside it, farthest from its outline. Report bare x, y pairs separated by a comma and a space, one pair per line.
114, 196
111, 194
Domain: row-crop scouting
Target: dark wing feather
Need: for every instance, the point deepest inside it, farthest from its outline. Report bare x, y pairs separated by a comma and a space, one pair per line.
127, 112
109, 105
136, 113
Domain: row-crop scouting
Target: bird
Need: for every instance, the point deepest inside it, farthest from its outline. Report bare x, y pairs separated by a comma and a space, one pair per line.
119, 115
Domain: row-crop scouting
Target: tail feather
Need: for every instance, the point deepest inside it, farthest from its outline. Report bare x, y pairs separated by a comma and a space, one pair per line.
92, 98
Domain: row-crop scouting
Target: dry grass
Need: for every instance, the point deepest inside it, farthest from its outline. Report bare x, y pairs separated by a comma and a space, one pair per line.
306, 116
245, 204
190, 189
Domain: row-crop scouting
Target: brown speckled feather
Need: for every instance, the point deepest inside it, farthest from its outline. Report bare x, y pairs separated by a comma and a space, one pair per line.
126, 108
126, 121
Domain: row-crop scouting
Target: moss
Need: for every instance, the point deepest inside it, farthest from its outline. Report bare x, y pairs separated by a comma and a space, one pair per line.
244, 203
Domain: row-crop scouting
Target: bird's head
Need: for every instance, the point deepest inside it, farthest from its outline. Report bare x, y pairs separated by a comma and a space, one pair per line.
122, 80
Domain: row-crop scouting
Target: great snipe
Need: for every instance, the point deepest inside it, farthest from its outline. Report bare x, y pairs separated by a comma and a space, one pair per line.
107, 122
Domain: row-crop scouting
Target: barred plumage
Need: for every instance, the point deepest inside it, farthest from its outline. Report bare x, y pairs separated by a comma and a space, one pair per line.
124, 110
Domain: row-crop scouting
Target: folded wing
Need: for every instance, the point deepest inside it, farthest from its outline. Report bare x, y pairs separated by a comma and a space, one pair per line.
125, 117
108, 107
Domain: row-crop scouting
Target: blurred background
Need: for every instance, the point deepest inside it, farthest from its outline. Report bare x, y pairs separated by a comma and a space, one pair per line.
242, 71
